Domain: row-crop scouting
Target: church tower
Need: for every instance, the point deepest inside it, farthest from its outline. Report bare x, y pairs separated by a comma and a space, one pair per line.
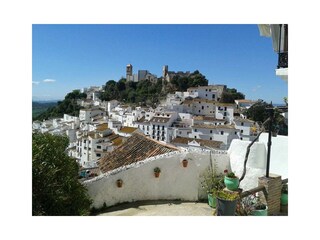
128, 72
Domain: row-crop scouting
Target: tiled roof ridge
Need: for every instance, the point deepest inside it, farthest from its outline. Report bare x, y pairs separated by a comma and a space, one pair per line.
160, 143
137, 148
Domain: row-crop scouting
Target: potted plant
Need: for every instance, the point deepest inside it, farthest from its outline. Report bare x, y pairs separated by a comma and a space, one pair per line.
227, 202
184, 162
231, 180
156, 172
119, 183
212, 182
253, 206
284, 194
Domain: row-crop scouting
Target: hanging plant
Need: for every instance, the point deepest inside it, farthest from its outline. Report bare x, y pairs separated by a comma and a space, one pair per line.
157, 172
119, 183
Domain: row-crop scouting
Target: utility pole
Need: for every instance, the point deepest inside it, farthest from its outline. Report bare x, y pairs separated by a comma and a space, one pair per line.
271, 115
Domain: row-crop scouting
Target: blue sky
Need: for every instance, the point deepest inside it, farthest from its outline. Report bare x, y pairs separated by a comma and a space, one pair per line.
67, 57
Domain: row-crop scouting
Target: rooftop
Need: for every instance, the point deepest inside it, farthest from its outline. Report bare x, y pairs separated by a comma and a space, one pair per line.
137, 148
202, 142
213, 126
205, 118
160, 119
102, 127
128, 129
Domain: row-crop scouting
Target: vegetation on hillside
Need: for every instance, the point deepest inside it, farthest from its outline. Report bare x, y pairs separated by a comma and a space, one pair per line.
146, 92
194, 80
230, 95
56, 190
258, 113
67, 106
40, 107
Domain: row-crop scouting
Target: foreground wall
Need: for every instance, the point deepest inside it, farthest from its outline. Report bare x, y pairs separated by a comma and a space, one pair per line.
139, 183
177, 182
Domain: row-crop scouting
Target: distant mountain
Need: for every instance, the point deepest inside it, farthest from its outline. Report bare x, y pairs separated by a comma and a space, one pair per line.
39, 107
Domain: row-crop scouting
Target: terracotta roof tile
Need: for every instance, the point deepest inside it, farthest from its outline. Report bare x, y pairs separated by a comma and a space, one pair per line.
102, 127
137, 148
202, 142
128, 129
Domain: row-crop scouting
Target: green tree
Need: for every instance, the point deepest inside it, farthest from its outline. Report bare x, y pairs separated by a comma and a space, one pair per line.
230, 95
258, 112
56, 190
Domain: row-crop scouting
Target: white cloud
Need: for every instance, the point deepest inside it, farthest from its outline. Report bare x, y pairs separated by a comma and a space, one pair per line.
48, 80
256, 88
35, 83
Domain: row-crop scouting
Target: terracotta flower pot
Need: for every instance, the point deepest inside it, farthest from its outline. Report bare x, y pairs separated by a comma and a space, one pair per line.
119, 183
185, 163
156, 174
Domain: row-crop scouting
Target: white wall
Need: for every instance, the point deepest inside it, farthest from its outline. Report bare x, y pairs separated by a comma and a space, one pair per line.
139, 183
257, 160
279, 154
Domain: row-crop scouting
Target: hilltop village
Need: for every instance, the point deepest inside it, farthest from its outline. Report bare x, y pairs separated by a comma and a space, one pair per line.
195, 118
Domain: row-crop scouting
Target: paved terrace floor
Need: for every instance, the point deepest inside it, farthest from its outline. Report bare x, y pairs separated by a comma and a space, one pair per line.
160, 208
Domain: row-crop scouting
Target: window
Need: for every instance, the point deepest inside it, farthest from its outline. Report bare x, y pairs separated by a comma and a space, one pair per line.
241, 138
225, 114
202, 107
209, 90
235, 133
206, 95
225, 108
195, 130
84, 141
210, 138
98, 154
199, 110
98, 147
241, 123
241, 131
195, 136
206, 91
222, 132
210, 131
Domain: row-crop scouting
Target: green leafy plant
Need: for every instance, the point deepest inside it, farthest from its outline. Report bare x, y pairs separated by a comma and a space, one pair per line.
228, 195
251, 203
229, 174
157, 170
284, 188
211, 182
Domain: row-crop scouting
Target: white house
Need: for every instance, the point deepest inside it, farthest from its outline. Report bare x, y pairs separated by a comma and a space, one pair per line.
159, 126
211, 92
224, 111
86, 115
248, 128
95, 144
222, 133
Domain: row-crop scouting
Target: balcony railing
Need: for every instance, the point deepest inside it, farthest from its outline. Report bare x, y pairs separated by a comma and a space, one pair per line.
283, 60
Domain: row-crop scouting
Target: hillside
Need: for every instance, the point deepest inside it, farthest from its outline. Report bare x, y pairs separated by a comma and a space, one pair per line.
40, 107
142, 93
